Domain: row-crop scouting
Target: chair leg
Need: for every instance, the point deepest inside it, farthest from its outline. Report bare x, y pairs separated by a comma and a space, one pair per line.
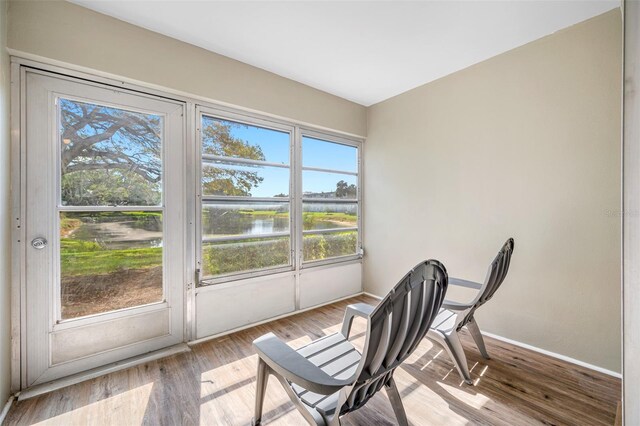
261, 387
454, 347
473, 328
396, 402
335, 421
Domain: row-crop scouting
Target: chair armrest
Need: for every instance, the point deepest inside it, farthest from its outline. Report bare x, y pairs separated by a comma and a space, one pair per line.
356, 310
464, 283
455, 306
288, 363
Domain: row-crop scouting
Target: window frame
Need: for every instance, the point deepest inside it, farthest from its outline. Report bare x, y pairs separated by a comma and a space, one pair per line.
249, 120
297, 132
58, 322
333, 138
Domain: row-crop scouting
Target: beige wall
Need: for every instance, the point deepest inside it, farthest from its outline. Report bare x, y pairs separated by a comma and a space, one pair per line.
526, 144
66, 32
5, 255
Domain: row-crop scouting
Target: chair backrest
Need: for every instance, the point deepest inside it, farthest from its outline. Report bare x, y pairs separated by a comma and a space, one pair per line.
496, 273
396, 327
495, 276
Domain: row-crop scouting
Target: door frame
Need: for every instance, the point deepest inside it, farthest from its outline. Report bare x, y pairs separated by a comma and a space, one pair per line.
631, 215
19, 68
43, 174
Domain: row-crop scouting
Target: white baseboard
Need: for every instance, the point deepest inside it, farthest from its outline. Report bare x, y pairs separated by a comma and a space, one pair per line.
555, 355
539, 350
372, 295
6, 408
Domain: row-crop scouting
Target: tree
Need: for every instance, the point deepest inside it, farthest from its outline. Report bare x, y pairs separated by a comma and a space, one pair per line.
97, 137
218, 140
110, 156
344, 190
108, 187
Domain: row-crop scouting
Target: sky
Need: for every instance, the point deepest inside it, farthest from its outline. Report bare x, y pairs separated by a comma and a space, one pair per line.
315, 153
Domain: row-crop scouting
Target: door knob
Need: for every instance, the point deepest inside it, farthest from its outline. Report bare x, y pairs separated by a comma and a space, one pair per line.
39, 243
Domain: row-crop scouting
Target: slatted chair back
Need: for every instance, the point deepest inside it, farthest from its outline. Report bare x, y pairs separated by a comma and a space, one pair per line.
496, 274
396, 327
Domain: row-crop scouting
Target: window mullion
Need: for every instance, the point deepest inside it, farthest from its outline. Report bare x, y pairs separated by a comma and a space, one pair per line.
335, 171
297, 152
217, 159
208, 199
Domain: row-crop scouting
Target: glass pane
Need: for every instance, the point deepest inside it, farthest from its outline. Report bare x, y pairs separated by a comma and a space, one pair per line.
244, 180
230, 139
325, 246
109, 261
329, 155
229, 219
247, 255
328, 185
329, 215
109, 156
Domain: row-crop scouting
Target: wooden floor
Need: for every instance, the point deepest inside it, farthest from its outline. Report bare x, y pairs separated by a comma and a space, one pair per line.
215, 385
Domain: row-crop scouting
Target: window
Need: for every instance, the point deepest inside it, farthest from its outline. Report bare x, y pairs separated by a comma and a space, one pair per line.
246, 203
329, 200
110, 208
263, 213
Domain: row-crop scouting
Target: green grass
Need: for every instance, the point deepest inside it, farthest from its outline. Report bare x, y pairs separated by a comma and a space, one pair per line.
88, 258
311, 219
139, 214
255, 254
269, 213
68, 245
142, 214
68, 224
80, 257
331, 217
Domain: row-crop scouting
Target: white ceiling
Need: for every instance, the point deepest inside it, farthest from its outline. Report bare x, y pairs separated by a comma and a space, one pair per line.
364, 51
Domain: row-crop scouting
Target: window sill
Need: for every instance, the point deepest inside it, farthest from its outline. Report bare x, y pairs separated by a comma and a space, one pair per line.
332, 261
246, 278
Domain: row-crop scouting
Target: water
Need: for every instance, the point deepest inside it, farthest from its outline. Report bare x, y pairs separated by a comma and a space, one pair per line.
120, 235
270, 226
124, 233
267, 226
113, 231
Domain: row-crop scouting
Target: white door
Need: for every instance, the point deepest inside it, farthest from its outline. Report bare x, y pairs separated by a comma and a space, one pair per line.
105, 226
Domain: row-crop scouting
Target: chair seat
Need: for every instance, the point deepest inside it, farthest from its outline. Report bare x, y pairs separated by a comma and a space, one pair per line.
337, 357
445, 321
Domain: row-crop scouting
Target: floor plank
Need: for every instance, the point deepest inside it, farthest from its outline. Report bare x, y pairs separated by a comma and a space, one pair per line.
214, 384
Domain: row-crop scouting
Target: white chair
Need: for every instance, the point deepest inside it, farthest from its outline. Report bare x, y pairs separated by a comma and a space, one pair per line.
454, 316
329, 378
